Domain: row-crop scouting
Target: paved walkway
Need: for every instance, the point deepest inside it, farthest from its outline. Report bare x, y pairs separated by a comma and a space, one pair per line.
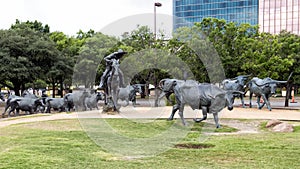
159, 112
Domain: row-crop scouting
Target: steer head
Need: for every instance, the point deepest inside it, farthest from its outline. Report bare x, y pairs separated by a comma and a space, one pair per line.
100, 96
137, 88
167, 87
269, 85
228, 97
241, 80
39, 102
2, 96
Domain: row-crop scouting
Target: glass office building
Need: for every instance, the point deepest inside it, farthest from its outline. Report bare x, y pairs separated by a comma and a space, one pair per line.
187, 12
277, 15
272, 16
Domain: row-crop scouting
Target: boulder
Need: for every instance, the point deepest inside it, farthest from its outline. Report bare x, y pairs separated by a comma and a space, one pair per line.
272, 123
283, 127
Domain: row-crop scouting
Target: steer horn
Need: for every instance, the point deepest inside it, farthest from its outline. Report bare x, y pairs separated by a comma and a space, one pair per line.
236, 92
273, 81
161, 82
245, 75
277, 81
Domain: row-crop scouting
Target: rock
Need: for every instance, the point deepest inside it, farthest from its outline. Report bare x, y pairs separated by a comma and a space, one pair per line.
283, 127
272, 123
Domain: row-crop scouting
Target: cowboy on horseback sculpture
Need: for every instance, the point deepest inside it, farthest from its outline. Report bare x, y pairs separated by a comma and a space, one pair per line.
108, 59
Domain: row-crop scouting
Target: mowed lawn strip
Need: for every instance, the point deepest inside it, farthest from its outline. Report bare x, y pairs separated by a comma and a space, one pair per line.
63, 144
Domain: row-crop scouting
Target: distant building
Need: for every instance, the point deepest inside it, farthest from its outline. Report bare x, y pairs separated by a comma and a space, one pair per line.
277, 15
239, 11
272, 15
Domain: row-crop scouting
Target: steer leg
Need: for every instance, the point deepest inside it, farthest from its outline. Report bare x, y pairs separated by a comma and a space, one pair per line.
48, 109
250, 98
127, 102
134, 102
242, 100
204, 113
216, 118
4, 111
181, 108
175, 108
267, 103
85, 106
62, 109
258, 102
31, 111
17, 112
6, 107
11, 110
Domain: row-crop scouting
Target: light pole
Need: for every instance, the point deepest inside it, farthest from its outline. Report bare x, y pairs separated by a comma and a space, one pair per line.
156, 4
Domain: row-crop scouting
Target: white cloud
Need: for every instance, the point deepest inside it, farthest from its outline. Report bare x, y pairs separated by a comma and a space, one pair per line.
71, 15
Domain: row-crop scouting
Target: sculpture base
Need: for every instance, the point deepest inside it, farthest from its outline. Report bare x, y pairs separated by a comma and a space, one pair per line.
109, 108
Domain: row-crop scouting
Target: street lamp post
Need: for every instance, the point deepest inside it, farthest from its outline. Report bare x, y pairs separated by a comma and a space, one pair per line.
156, 4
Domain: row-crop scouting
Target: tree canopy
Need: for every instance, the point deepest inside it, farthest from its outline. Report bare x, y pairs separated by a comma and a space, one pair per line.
208, 51
26, 55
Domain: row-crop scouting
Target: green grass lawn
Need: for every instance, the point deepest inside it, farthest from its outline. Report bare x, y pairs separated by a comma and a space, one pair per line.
64, 144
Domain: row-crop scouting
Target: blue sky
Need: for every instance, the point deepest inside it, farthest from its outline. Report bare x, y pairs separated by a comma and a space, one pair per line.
71, 15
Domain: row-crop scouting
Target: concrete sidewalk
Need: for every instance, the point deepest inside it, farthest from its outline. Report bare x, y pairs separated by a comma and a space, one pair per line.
159, 113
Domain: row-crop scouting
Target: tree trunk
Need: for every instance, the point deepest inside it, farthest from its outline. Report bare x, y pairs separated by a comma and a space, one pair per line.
61, 88
53, 89
17, 88
156, 97
22, 88
143, 94
288, 94
156, 91
147, 89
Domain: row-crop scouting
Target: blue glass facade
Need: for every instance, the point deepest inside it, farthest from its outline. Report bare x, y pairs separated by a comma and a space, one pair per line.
239, 11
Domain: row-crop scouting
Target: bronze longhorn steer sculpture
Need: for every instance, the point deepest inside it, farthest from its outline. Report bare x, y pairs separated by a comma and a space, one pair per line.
129, 94
264, 88
29, 105
208, 97
236, 84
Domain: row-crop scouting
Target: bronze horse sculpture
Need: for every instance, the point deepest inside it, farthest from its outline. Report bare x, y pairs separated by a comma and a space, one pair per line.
113, 85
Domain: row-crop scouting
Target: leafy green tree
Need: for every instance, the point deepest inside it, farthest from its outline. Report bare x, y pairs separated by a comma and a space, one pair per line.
262, 57
90, 59
139, 39
181, 45
227, 38
37, 26
62, 71
85, 35
143, 39
26, 55
289, 49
